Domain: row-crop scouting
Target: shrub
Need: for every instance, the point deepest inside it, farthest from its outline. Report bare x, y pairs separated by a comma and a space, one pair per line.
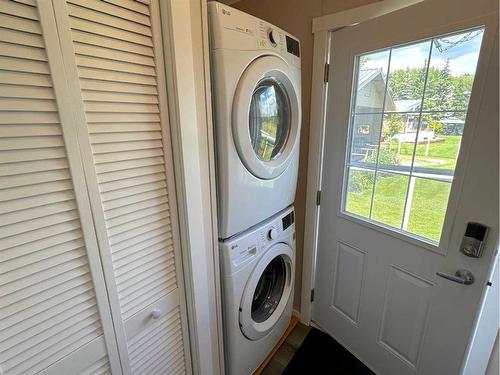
360, 181
386, 156
392, 126
437, 127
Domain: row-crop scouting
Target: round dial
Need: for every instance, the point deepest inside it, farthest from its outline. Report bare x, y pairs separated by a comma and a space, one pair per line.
272, 234
274, 37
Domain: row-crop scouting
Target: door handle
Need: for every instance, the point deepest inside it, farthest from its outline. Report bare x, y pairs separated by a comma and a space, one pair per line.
463, 277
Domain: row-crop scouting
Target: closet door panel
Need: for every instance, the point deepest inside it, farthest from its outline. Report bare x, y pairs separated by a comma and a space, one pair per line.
113, 55
88, 360
49, 309
116, 129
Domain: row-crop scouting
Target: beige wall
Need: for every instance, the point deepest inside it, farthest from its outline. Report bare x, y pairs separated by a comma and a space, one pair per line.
295, 16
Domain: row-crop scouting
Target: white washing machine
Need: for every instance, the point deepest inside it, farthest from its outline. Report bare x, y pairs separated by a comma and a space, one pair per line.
256, 94
258, 280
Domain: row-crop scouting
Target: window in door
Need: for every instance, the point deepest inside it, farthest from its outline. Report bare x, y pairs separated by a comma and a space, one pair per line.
415, 98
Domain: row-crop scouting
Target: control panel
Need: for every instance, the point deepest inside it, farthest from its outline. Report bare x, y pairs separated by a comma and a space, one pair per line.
240, 250
233, 29
272, 37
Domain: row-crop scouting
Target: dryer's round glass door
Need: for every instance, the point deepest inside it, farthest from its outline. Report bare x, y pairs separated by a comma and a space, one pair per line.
266, 117
269, 290
269, 119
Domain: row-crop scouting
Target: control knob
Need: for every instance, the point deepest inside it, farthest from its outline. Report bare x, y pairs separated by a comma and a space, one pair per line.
272, 234
274, 37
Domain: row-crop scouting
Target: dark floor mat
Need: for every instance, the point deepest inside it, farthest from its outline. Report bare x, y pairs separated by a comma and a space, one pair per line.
321, 354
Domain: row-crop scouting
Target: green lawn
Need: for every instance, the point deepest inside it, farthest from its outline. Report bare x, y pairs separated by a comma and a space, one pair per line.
427, 210
441, 154
430, 198
268, 128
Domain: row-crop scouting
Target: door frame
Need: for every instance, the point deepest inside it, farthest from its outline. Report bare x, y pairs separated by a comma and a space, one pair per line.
187, 71
323, 28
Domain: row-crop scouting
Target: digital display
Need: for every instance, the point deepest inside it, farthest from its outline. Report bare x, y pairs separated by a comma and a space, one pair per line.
292, 46
287, 220
476, 230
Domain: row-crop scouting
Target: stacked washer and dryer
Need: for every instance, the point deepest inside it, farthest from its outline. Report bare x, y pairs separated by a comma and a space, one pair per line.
256, 94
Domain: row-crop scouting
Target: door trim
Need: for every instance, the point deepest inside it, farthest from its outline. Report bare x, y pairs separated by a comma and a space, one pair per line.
185, 23
322, 29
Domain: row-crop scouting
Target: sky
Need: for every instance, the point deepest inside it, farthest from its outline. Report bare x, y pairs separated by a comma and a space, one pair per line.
463, 56
267, 102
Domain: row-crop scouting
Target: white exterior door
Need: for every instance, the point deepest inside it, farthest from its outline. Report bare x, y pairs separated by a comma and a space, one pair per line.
411, 157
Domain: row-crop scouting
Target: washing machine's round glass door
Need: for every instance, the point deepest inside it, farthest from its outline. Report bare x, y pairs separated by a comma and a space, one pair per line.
267, 292
266, 116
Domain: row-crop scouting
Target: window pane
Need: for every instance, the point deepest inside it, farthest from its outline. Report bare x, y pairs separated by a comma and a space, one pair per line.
389, 199
359, 192
438, 145
451, 71
407, 77
371, 82
365, 139
398, 139
408, 137
428, 207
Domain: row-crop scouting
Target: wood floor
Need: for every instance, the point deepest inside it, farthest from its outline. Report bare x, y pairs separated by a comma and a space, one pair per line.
287, 350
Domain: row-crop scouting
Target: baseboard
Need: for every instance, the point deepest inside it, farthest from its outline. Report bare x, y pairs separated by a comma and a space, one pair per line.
296, 313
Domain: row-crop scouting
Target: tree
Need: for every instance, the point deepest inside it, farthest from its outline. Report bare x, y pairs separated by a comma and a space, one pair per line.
443, 92
407, 83
392, 126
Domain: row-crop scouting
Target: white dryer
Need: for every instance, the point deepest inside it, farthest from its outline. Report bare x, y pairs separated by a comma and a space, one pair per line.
257, 106
258, 280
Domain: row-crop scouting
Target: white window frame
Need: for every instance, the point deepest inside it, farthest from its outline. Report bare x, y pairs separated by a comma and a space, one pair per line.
438, 246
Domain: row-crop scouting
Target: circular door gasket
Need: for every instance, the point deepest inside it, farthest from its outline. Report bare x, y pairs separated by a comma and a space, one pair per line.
266, 78
267, 292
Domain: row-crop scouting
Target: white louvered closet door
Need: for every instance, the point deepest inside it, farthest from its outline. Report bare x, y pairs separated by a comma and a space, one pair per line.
114, 64
54, 313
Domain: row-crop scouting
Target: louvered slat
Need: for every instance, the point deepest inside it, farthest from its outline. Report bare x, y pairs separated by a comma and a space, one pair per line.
14, 91
111, 48
19, 10
99, 367
48, 304
16, 23
16, 37
109, 19
136, 6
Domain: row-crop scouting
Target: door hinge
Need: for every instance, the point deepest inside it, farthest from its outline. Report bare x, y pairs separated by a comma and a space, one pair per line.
312, 295
327, 70
318, 197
